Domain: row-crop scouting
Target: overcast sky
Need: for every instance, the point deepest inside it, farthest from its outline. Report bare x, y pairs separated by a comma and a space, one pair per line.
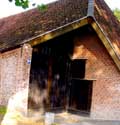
7, 8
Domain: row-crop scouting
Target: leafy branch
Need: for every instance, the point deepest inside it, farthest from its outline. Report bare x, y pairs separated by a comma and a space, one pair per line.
26, 4
117, 13
22, 3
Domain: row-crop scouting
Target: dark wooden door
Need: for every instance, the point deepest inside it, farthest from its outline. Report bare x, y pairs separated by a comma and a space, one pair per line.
80, 95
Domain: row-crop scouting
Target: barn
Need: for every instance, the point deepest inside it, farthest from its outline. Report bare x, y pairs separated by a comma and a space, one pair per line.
72, 49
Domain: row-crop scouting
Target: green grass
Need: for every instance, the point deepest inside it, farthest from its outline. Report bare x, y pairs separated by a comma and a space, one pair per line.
2, 110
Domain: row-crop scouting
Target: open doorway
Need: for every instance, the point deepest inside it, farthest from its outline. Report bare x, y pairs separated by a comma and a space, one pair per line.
80, 90
49, 68
50, 73
80, 96
62, 78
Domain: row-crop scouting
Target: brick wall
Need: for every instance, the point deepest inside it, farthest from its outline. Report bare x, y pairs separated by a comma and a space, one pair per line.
15, 66
14, 72
101, 68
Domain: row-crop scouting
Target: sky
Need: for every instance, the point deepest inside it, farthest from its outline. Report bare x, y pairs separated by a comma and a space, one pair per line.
7, 8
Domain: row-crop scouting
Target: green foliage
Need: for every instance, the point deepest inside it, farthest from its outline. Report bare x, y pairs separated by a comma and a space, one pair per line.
25, 4
2, 110
42, 7
117, 13
22, 3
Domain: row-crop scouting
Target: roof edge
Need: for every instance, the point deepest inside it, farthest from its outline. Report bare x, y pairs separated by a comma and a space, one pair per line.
72, 26
52, 34
58, 31
105, 40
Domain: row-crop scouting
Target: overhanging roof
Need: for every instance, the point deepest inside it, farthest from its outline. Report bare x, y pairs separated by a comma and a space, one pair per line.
62, 16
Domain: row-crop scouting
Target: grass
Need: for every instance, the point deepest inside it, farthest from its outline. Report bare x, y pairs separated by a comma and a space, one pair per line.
2, 110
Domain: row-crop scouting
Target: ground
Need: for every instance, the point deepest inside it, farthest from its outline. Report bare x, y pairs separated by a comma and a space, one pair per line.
71, 119
1, 116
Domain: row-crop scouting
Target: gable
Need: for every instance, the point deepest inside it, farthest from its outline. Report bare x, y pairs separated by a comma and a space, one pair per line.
61, 17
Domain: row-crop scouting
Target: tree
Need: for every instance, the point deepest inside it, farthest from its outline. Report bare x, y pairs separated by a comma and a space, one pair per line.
117, 13
26, 3
22, 3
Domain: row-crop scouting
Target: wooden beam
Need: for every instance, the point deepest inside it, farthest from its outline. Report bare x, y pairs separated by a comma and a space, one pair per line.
106, 42
59, 31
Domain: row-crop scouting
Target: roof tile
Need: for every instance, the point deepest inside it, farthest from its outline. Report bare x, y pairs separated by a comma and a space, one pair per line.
15, 29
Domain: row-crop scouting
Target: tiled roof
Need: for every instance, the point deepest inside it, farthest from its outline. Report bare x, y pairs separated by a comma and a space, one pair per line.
109, 23
15, 29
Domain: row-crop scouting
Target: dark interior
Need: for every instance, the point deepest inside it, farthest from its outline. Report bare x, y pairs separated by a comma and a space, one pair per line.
63, 78
50, 67
80, 95
78, 68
